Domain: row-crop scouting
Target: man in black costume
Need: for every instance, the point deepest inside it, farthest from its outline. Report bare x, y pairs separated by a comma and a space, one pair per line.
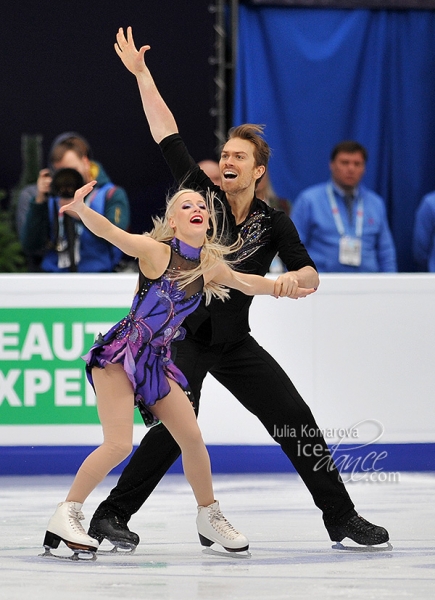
218, 339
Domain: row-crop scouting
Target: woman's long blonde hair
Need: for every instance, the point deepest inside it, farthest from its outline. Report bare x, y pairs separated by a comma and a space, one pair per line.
213, 250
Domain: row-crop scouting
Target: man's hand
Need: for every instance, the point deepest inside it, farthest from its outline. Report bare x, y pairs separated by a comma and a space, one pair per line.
287, 285
159, 117
43, 184
125, 48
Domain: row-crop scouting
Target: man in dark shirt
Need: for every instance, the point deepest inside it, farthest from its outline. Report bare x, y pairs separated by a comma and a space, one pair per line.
218, 339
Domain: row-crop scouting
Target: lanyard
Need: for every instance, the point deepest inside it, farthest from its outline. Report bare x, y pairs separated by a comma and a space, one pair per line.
337, 217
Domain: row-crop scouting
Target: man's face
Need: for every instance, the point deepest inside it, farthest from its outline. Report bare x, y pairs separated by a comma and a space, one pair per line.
71, 160
347, 169
237, 166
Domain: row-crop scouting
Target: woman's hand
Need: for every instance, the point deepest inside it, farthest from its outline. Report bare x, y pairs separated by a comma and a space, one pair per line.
289, 285
298, 293
77, 202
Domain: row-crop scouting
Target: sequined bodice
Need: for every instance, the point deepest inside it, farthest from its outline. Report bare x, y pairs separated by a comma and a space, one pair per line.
160, 306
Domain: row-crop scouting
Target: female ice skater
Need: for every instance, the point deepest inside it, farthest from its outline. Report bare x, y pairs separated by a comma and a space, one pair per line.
131, 364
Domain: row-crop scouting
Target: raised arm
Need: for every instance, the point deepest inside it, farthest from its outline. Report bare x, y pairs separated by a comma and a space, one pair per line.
160, 119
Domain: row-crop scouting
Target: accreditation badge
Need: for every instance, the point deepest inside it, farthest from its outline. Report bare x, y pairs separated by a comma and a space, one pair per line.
63, 257
350, 251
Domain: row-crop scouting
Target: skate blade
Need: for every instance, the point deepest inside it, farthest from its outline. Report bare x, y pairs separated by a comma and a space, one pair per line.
75, 557
340, 546
244, 554
119, 550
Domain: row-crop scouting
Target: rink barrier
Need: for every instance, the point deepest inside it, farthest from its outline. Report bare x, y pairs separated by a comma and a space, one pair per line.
390, 458
367, 379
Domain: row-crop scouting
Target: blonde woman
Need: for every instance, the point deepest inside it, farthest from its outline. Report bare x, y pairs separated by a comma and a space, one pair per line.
131, 364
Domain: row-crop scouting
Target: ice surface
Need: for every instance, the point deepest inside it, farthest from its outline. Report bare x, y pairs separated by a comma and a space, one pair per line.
291, 554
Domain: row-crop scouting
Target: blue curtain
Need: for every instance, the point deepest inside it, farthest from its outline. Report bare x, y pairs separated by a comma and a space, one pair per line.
317, 76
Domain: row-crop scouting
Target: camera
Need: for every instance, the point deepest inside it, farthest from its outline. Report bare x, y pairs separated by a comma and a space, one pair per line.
65, 182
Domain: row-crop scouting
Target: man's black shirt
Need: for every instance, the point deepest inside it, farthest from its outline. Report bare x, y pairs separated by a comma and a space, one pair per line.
265, 232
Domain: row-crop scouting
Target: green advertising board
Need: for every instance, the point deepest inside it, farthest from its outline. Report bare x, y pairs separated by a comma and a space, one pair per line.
42, 374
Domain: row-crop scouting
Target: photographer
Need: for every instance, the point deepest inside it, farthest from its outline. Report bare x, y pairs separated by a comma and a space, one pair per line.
67, 245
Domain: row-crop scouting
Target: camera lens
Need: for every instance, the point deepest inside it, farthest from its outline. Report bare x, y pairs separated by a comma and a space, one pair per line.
65, 182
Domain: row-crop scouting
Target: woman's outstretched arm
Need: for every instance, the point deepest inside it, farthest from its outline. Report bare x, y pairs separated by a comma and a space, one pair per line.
141, 246
253, 285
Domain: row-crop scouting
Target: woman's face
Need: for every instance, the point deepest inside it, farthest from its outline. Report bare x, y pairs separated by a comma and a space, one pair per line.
190, 217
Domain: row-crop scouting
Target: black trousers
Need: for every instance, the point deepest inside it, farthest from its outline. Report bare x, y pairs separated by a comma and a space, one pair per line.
261, 386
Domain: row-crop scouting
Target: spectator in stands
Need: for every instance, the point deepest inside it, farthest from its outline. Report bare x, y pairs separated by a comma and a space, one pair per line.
266, 192
211, 169
424, 234
343, 224
67, 245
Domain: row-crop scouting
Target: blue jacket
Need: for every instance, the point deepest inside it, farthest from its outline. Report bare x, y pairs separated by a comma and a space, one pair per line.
315, 223
96, 254
424, 234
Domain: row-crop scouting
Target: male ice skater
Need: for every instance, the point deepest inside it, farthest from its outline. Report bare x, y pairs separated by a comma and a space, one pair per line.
218, 339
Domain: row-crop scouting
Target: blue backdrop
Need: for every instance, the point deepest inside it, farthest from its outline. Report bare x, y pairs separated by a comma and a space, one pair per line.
317, 76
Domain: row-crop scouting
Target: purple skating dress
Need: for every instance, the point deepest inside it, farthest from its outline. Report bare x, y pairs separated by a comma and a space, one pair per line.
141, 341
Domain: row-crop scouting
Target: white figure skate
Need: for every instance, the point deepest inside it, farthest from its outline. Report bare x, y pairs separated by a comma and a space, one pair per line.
65, 526
213, 527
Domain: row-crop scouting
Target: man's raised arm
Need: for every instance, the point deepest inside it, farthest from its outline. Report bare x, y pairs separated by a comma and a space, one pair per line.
160, 119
